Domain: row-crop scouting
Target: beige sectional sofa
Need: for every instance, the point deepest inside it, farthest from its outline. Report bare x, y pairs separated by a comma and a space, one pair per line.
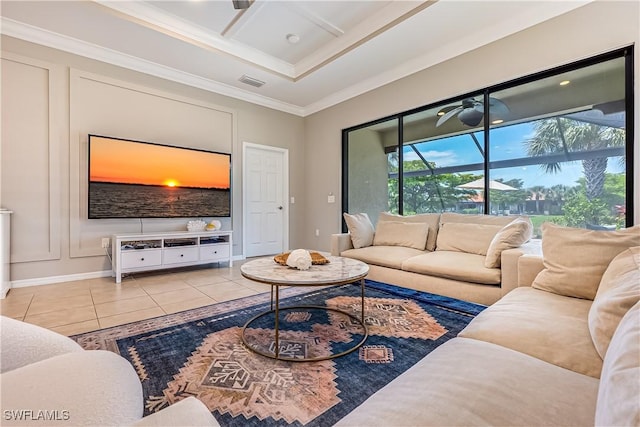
48, 379
469, 257
541, 355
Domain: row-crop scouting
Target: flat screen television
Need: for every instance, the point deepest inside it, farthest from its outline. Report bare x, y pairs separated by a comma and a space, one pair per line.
135, 179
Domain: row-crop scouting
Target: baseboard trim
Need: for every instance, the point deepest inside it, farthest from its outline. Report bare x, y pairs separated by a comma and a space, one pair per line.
59, 279
39, 281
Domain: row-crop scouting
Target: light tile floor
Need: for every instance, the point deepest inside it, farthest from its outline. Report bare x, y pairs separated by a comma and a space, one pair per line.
86, 305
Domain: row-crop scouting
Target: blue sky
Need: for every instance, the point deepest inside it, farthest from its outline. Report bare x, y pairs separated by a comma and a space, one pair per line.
506, 143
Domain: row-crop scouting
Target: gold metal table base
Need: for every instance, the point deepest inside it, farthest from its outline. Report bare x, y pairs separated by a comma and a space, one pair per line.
276, 353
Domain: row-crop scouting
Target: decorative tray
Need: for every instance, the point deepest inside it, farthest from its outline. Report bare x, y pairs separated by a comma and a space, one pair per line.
316, 258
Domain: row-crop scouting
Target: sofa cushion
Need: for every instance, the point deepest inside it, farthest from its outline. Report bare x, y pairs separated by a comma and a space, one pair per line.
619, 393
431, 219
500, 221
360, 229
396, 233
453, 265
386, 256
512, 235
466, 382
575, 258
619, 290
461, 237
541, 324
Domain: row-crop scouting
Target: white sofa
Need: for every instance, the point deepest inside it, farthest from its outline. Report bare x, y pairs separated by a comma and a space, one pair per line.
469, 257
48, 379
562, 349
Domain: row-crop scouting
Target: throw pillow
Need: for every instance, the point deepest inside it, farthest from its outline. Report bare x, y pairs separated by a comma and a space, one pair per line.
512, 235
395, 233
469, 238
431, 219
618, 403
360, 229
574, 258
619, 290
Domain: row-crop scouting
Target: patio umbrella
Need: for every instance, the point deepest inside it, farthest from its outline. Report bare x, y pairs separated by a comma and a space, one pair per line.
478, 184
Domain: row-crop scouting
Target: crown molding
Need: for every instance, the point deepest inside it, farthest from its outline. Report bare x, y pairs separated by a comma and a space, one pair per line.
444, 53
50, 39
68, 44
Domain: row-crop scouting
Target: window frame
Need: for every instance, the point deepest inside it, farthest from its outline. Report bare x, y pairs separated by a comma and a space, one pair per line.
626, 52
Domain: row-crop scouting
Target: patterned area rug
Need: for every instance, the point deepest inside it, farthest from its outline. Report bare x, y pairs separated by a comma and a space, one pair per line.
200, 352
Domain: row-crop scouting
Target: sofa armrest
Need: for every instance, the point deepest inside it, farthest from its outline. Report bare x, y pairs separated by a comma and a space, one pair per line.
23, 343
88, 388
187, 412
528, 268
340, 243
509, 262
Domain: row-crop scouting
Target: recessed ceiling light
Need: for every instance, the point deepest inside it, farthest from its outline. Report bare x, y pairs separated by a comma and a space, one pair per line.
293, 38
565, 82
440, 113
497, 121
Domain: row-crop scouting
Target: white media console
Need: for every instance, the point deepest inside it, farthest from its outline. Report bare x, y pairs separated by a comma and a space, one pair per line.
154, 251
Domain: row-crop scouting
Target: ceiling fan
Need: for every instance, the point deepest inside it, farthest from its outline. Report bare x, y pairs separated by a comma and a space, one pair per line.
241, 4
471, 111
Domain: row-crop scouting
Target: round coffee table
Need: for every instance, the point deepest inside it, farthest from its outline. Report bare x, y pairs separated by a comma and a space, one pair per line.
338, 271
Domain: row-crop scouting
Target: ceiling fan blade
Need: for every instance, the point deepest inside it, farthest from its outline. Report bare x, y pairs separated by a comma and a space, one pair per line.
241, 4
448, 115
496, 106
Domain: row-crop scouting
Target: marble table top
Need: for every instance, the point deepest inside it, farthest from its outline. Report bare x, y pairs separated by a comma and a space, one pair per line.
339, 270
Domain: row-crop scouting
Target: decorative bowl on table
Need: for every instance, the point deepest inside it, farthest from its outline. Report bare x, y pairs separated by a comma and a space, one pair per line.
316, 258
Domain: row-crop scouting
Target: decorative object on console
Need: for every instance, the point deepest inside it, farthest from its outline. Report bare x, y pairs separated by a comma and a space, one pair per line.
198, 225
213, 225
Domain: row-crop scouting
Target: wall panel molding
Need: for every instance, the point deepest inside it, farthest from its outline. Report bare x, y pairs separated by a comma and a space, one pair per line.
105, 106
33, 131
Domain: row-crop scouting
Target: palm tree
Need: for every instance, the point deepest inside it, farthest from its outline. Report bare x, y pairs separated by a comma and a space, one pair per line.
561, 134
538, 192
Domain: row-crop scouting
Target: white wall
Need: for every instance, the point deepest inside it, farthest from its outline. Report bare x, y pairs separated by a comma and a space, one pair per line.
52, 100
590, 30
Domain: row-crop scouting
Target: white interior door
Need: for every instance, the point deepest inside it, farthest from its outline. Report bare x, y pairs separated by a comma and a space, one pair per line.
265, 190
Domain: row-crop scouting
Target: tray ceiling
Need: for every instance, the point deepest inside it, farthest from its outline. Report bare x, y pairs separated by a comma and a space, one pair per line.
309, 54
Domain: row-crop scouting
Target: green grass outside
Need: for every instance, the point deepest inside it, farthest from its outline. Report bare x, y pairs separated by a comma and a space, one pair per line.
537, 221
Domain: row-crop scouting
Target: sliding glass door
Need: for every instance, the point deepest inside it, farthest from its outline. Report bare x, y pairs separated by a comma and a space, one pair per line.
553, 146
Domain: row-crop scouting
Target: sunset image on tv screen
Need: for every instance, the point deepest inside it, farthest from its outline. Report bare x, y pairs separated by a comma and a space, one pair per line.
129, 179
129, 162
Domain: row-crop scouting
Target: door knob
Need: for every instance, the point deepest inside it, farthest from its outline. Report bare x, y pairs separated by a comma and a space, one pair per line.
280, 207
